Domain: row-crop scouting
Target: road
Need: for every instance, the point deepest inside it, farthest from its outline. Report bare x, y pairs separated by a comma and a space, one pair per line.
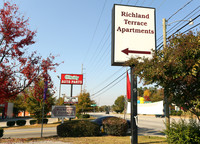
147, 125
29, 133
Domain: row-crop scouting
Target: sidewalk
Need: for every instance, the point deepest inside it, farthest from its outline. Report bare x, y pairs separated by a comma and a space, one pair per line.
3, 123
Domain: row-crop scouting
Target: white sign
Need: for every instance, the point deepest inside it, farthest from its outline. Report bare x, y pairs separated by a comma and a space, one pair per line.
63, 111
133, 33
156, 108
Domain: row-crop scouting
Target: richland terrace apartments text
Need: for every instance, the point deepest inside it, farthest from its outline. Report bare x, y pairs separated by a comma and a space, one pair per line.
135, 23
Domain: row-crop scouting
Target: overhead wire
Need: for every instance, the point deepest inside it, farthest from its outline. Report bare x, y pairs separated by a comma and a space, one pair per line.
108, 84
95, 30
179, 30
108, 78
179, 10
181, 21
110, 87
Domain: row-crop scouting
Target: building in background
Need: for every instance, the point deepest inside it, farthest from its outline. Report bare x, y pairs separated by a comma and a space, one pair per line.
6, 110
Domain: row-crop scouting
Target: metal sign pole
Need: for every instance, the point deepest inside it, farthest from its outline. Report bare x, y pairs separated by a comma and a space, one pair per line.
134, 120
42, 118
71, 96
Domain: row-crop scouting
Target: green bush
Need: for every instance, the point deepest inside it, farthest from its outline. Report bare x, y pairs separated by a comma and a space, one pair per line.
32, 122
85, 116
10, 123
176, 113
182, 132
115, 126
179, 113
45, 121
21, 122
1, 132
78, 129
173, 113
82, 116
78, 115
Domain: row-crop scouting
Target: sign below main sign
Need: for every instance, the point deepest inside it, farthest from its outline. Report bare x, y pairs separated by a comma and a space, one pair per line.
63, 111
76, 79
133, 33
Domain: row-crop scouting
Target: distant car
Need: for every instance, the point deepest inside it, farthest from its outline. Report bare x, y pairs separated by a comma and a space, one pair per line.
100, 120
161, 116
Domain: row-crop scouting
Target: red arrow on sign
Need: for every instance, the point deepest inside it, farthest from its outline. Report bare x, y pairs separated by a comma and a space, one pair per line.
127, 51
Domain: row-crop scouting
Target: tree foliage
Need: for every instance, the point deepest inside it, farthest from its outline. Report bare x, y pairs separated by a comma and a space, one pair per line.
119, 104
157, 95
84, 103
177, 69
18, 67
35, 96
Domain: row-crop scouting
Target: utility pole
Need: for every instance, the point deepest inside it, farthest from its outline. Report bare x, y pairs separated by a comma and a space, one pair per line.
81, 73
134, 118
59, 89
166, 103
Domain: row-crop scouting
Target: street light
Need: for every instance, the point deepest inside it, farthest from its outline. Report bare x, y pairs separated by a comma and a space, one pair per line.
59, 87
190, 20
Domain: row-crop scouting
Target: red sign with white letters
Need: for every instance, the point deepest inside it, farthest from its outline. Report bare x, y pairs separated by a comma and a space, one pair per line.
76, 79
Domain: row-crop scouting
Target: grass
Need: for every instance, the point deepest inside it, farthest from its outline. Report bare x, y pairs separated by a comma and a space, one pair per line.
92, 140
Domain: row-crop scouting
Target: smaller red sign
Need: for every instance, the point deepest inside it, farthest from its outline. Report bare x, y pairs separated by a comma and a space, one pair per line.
76, 79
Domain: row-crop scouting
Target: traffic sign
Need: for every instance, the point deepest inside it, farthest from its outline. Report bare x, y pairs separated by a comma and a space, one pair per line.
63, 111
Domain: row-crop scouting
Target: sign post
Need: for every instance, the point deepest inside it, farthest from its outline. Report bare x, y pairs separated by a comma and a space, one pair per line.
134, 118
133, 36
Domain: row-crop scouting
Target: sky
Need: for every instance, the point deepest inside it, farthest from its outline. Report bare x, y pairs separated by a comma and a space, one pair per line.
78, 32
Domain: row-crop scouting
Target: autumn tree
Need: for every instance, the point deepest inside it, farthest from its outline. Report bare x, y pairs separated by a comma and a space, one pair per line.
147, 95
84, 103
157, 95
18, 67
119, 104
177, 69
35, 96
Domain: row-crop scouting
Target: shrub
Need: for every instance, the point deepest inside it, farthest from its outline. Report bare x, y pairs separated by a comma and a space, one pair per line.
21, 122
85, 116
1, 132
78, 115
45, 121
10, 123
176, 113
82, 116
179, 113
78, 129
32, 122
182, 132
115, 126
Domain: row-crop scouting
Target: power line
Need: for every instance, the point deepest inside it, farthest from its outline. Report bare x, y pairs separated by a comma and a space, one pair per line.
191, 28
175, 26
179, 10
110, 87
179, 30
108, 84
185, 18
95, 29
108, 78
